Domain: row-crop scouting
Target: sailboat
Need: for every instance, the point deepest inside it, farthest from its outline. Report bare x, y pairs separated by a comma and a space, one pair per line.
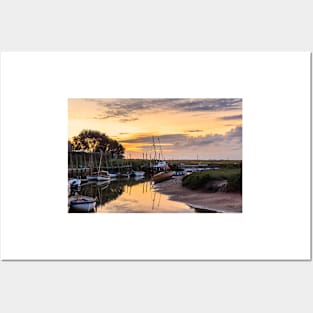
162, 176
100, 175
162, 166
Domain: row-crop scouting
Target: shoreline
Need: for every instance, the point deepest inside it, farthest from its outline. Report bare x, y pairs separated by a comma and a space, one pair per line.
215, 202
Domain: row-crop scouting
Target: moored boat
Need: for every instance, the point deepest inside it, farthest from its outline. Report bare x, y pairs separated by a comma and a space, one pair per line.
74, 182
162, 176
160, 165
111, 175
180, 173
82, 204
163, 169
137, 173
98, 176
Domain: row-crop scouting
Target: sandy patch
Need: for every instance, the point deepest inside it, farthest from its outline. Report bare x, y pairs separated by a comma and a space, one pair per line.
219, 201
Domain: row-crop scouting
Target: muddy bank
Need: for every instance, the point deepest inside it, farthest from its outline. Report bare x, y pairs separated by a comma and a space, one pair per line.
219, 201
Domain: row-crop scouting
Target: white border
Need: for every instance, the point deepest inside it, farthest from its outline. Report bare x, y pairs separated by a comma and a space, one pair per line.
275, 88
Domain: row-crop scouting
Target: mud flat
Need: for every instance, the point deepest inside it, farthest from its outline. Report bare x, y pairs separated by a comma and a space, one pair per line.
219, 202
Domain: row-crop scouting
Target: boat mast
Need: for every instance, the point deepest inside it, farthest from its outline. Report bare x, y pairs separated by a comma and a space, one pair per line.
161, 149
155, 153
100, 161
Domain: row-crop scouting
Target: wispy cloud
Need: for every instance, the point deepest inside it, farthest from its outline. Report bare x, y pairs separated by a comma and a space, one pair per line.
233, 137
164, 139
128, 119
194, 131
128, 109
231, 117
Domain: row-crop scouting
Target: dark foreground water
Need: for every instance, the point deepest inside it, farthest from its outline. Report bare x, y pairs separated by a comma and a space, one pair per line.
130, 195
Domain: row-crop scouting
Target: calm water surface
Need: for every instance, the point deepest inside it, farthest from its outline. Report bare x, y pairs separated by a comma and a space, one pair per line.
131, 195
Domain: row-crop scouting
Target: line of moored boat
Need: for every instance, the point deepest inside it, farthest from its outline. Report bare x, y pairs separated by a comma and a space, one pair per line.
82, 203
107, 176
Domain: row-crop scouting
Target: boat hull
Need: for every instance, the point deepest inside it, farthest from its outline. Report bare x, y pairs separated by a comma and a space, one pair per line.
113, 175
99, 178
108, 174
74, 182
84, 204
103, 178
160, 177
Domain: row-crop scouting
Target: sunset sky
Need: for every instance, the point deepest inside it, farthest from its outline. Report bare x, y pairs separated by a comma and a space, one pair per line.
186, 128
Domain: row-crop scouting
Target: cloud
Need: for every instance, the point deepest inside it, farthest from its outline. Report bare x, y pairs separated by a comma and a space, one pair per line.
130, 119
164, 139
233, 137
235, 132
231, 117
203, 105
194, 131
131, 108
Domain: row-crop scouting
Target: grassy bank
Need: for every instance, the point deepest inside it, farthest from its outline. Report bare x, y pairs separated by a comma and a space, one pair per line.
224, 179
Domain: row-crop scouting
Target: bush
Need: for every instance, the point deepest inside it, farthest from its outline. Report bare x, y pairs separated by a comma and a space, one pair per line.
196, 180
208, 180
235, 184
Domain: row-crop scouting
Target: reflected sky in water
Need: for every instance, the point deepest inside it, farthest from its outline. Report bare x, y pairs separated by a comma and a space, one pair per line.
131, 196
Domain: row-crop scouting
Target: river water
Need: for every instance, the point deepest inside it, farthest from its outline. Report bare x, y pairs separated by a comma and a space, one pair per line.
131, 196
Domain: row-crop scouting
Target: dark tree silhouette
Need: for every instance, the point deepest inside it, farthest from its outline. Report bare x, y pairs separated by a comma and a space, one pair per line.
94, 141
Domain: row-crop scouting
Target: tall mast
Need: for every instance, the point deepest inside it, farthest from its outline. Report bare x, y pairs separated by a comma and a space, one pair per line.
161, 149
155, 153
100, 161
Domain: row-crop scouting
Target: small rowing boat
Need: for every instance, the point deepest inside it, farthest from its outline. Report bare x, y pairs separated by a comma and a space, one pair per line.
74, 182
83, 204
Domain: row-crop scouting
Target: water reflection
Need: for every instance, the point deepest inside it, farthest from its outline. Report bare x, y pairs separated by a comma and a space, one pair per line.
130, 195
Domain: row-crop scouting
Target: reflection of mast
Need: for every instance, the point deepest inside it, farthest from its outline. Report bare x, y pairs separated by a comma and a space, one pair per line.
144, 187
100, 188
159, 200
154, 194
153, 200
128, 189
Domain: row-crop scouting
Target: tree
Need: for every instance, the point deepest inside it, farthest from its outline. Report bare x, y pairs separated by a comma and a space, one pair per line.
94, 141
